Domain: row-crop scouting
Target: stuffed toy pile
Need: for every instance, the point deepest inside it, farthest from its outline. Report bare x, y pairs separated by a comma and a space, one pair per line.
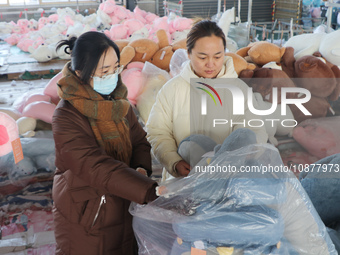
39, 154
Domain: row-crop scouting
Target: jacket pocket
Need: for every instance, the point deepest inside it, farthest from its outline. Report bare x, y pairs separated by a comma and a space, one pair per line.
91, 204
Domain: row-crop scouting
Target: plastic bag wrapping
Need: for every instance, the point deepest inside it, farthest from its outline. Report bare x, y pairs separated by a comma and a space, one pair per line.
176, 63
39, 159
258, 211
321, 181
155, 78
320, 137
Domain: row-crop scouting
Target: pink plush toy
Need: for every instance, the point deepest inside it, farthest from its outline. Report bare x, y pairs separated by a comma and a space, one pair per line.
53, 18
161, 23
42, 22
140, 18
40, 110
108, 7
320, 137
181, 23
8, 133
133, 25
13, 39
51, 89
121, 12
150, 17
140, 12
23, 24
29, 97
117, 32
25, 44
134, 80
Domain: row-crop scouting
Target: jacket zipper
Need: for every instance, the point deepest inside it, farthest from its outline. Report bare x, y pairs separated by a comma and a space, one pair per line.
102, 201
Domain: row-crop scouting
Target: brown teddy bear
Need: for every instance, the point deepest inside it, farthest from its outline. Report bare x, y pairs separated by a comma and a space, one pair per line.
162, 57
240, 63
263, 80
318, 77
261, 53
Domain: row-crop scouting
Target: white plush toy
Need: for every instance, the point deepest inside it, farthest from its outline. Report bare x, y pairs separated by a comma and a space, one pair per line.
275, 127
326, 44
44, 53
224, 23
305, 44
103, 20
75, 30
330, 47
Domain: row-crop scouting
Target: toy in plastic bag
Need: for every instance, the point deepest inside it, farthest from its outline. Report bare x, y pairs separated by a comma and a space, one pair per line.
241, 200
321, 181
320, 137
39, 157
155, 78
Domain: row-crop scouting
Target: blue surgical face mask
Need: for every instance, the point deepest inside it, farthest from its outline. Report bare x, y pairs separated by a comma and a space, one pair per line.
106, 84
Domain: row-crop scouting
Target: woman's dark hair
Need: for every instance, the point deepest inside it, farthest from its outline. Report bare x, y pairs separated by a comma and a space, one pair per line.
201, 29
86, 51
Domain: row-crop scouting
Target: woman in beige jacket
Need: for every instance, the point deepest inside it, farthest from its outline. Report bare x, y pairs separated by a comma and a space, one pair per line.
172, 118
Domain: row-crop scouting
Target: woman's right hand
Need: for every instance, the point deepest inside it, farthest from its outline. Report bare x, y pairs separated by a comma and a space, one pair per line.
182, 168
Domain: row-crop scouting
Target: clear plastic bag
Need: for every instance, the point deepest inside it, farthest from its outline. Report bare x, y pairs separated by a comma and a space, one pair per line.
243, 200
155, 78
176, 63
39, 160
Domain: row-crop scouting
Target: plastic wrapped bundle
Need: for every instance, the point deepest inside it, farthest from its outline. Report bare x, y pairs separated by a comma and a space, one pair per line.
242, 202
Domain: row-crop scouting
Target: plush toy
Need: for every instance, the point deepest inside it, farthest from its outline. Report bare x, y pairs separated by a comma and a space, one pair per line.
51, 88
134, 80
25, 125
144, 49
240, 63
36, 105
317, 106
275, 128
126, 55
326, 44
304, 44
181, 44
163, 56
44, 53
320, 78
224, 23
336, 71
40, 110
8, 133
263, 80
329, 47
311, 68
261, 53
320, 137
321, 182
38, 154
155, 78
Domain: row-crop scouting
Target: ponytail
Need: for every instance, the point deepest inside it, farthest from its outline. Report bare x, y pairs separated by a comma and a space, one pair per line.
69, 45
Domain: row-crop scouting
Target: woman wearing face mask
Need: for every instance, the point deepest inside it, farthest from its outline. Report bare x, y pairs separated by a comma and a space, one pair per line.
169, 120
99, 146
